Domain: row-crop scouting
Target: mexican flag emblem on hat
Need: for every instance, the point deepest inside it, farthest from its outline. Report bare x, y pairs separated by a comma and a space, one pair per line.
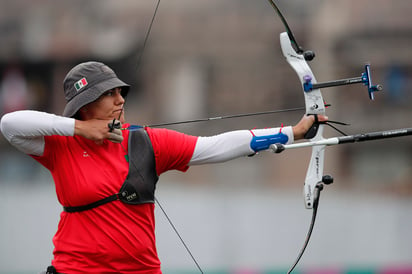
80, 84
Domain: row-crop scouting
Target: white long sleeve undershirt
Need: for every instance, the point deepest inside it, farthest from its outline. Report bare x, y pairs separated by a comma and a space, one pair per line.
26, 130
231, 145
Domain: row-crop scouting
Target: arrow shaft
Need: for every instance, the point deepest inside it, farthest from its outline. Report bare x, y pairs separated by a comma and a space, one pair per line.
227, 117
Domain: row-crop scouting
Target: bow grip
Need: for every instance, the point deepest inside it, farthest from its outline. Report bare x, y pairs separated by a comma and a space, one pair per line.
313, 130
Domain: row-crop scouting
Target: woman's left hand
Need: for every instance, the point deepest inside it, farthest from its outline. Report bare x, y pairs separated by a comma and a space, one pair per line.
300, 129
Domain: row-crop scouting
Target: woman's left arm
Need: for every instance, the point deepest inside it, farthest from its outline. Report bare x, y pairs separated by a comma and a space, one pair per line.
234, 144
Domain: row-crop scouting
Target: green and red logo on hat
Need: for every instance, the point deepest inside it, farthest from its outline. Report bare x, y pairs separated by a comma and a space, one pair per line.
80, 84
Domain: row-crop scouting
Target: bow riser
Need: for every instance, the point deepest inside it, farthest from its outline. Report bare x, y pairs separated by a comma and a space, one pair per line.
314, 105
313, 98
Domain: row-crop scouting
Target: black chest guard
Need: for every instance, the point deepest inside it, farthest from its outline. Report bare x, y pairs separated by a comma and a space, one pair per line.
140, 183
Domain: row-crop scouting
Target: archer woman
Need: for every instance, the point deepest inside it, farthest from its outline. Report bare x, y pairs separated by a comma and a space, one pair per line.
105, 175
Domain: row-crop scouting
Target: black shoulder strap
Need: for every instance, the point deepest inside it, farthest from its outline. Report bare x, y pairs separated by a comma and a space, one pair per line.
103, 201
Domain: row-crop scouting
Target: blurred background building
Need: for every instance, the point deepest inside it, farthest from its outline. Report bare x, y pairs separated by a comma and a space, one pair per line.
213, 58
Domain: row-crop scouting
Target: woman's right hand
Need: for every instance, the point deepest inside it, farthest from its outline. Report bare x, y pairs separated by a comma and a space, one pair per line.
98, 130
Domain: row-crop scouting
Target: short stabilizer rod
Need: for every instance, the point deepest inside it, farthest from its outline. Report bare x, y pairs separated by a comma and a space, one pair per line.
365, 79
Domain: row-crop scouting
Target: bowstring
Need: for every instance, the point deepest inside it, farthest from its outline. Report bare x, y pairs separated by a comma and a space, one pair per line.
112, 126
139, 60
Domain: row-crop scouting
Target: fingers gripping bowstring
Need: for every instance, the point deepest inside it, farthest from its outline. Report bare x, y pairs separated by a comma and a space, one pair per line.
113, 126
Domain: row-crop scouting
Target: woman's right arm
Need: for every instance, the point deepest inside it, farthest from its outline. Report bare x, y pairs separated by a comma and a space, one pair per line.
26, 129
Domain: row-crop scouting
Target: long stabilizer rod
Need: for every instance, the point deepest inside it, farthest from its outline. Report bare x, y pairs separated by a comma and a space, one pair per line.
393, 133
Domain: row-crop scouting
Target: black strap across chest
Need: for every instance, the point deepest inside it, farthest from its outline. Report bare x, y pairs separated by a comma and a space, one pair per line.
140, 183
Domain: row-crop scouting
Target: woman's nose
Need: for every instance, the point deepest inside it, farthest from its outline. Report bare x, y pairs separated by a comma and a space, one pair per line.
119, 98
